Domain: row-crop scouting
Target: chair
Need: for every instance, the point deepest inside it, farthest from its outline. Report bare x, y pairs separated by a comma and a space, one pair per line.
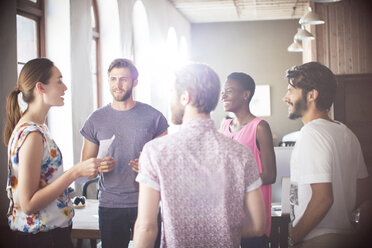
85, 185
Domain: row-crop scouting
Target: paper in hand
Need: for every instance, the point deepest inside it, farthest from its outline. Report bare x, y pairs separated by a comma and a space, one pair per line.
104, 146
103, 150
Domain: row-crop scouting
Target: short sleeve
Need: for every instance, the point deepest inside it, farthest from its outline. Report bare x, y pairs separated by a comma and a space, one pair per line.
252, 176
316, 166
88, 131
161, 124
147, 170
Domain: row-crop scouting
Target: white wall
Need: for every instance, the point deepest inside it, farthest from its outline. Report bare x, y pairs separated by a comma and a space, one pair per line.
257, 48
58, 49
110, 37
81, 76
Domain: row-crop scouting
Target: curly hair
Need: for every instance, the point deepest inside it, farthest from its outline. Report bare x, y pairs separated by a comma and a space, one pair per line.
314, 75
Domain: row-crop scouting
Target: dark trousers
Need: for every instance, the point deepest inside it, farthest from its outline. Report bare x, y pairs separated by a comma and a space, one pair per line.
256, 242
116, 226
56, 238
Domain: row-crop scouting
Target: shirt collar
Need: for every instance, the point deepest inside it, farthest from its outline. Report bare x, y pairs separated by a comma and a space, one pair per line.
205, 123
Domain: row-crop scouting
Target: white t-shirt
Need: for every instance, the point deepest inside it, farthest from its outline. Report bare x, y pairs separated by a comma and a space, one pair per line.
325, 152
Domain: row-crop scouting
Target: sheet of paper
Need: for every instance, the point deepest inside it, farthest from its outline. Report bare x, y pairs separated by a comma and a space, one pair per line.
104, 146
103, 150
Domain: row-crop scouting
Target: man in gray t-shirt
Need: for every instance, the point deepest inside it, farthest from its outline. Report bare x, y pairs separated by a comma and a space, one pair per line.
129, 125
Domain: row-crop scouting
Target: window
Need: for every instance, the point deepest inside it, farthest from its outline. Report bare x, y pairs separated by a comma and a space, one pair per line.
95, 56
141, 40
30, 31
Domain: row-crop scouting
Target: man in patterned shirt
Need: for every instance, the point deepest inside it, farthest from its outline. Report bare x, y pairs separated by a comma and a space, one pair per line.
204, 180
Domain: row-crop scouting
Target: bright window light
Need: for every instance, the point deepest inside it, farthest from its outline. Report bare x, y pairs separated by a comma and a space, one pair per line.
141, 52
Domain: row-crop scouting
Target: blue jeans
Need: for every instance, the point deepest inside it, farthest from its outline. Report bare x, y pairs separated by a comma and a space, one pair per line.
116, 226
256, 242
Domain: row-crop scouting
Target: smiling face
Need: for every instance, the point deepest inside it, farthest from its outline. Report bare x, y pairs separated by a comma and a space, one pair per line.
234, 96
121, 84
55, 89
297, 102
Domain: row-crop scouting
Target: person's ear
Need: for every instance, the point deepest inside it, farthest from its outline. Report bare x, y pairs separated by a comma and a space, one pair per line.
312, 95
185, 98
247, 94
40, 87
135, 82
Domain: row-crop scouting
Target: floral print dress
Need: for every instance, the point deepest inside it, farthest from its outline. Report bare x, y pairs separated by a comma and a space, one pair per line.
58, 213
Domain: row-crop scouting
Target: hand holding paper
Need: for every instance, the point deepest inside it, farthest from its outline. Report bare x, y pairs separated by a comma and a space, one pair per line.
107, 164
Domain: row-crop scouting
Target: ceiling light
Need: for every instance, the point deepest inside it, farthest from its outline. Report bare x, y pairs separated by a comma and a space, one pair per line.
303, 34
311, 18
295, 47
326, 1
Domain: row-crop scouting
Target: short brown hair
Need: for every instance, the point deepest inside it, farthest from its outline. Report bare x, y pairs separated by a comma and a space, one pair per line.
124, 63
202, 83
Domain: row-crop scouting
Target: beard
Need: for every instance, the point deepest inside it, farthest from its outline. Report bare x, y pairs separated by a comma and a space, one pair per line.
177, 113
126, 96
298, 108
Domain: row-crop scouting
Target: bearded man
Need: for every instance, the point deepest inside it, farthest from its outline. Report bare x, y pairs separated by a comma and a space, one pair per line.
328, 171
129, 125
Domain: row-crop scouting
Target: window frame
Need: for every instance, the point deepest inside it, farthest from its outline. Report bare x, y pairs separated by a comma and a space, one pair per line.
34, 11
96, 38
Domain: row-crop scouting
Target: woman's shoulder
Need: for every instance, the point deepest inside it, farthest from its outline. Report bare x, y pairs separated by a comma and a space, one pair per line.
27, 127
23, 129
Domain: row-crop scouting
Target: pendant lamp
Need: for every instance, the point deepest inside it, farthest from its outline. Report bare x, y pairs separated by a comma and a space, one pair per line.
295, 47
311, 18
303, 34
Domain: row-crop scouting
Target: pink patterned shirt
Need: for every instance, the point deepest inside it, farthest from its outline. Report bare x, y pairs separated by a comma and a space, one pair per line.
202, 177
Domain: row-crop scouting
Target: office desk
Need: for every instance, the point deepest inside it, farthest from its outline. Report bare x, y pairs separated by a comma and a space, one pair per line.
85, 223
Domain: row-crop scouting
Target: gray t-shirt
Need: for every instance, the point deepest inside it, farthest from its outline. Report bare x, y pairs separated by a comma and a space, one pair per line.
132, 129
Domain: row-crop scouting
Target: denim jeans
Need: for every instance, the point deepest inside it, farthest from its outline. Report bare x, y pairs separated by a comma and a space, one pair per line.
56, 238
116, 226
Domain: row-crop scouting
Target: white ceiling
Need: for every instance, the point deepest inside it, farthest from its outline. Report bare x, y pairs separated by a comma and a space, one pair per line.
199, 11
